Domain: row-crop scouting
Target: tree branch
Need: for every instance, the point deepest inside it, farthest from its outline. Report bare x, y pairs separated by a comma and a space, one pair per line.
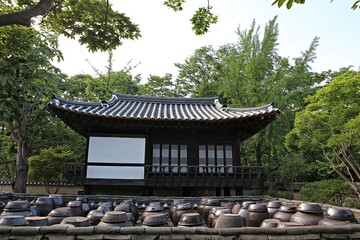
24, 17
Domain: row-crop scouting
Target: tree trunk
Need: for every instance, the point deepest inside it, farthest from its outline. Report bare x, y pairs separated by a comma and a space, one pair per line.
21, 166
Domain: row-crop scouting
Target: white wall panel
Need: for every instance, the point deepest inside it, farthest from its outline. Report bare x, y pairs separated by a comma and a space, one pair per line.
115, 172
116, 150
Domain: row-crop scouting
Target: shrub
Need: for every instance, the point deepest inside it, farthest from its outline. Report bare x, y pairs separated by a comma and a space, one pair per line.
333, 191
352, 203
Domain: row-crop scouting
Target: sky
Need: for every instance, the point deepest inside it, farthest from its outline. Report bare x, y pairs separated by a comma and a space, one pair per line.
167, 37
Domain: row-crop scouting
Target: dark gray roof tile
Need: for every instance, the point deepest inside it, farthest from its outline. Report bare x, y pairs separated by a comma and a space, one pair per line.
161, 108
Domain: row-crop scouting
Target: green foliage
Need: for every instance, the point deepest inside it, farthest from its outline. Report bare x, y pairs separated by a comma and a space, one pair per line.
83, 87
7, 155
27, 80
27, 77
332, 191
158, 86
48, 165
202, 19
329, 125
54, 133
94, 22
281, 194
251, 73
175, 5
16, 41
200, 74
352, 202
289, 3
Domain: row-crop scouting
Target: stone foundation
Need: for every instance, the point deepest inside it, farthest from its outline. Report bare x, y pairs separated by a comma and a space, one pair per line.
245, 233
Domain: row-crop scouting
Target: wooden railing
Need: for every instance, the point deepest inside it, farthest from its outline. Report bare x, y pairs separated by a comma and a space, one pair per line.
214, 176
185, 176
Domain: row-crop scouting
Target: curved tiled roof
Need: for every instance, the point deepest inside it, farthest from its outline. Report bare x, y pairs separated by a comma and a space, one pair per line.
124, 106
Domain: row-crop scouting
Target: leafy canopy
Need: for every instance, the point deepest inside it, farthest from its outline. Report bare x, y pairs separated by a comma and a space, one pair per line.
330, 125
289, 3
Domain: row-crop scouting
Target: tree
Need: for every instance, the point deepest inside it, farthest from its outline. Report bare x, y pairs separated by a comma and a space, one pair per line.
330, 124
199, 75
251, 73
159, 86
27, 79
48, 165
83, 87
94, 22
289, 3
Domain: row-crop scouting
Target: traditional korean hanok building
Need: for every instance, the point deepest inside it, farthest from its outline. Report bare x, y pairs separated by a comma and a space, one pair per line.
143, 145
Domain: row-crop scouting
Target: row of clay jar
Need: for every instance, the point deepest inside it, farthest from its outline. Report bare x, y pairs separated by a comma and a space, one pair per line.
208, 213
254, 214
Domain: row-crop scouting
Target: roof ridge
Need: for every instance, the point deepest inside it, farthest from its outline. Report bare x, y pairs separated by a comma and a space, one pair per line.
169, 100
264, 107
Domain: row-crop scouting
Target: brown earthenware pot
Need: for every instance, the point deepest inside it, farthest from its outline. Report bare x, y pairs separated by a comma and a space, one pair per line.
76, 208
17, 206
26, 213
212, 221
310, 208
155, 220
151, 209
37, 221
85, 204
211, 214
191, 220
339, 214
273, 207
244, 210
307, 219
58, 200
180, 210
236, 208
209, 204
228, 205
201, 205
123, 207
58, 214
174, 203
308, 214
13, 221
115, 219
133, 208
95, 216
44, 205
270, 223
229, 221
284, 214
76, 221
256, 214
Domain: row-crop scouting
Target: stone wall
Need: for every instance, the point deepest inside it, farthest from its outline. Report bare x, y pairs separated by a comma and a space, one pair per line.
246, 233
33, 188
